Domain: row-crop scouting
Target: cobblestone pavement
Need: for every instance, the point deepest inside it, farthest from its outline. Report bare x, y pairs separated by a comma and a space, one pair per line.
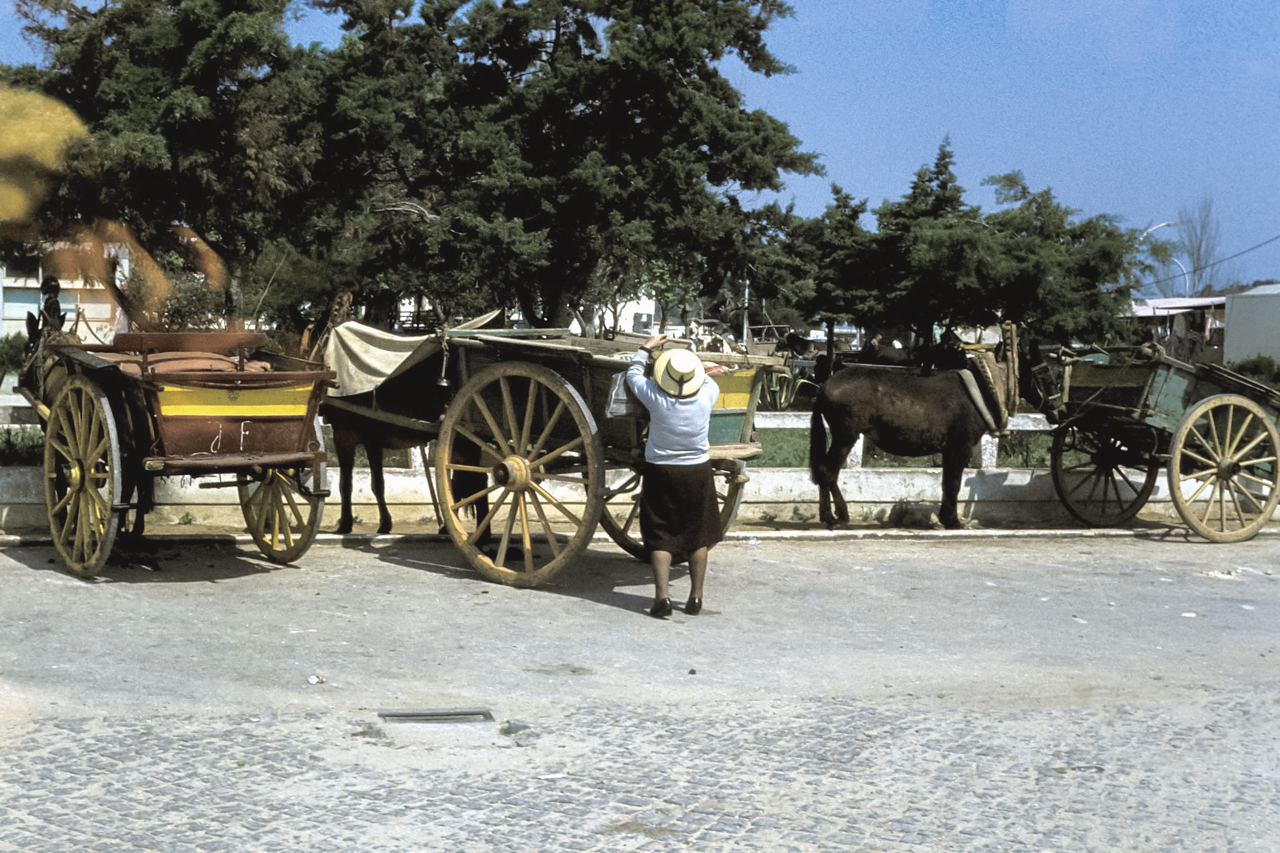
1050, 739
805, 775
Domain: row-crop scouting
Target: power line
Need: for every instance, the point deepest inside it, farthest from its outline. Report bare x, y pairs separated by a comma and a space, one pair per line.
1215, 263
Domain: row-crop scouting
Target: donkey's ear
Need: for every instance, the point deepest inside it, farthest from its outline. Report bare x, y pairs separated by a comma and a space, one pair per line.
33, 325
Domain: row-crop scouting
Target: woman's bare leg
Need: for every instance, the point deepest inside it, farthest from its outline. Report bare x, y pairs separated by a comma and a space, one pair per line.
661, 563
697, 572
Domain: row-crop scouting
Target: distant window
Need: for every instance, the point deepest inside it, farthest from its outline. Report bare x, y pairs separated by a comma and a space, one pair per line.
21, 266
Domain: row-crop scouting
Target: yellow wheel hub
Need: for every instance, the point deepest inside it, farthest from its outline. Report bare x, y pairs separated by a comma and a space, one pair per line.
513, 473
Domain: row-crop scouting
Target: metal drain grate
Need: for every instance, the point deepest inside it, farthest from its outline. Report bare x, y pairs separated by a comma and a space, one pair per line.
447, 715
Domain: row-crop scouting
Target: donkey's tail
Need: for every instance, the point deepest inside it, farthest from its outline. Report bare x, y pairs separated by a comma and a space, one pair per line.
817, 446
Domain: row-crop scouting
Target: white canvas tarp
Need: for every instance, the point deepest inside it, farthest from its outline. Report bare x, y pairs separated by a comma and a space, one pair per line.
364, 357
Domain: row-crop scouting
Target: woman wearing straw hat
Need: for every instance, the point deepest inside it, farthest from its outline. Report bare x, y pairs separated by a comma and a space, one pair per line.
678, 511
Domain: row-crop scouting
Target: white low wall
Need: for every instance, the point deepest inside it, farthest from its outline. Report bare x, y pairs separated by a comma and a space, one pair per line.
992, 496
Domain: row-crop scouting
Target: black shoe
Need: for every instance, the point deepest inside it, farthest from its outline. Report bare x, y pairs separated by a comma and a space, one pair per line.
693, 607
661, 609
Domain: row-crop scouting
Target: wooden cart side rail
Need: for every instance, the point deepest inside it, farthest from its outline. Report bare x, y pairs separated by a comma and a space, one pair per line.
514, 334
1235, 383
622, 348
486, 336
231, 380
84, 357
616, 350
230, 463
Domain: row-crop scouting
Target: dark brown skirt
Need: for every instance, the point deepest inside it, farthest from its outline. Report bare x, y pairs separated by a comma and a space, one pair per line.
678, 510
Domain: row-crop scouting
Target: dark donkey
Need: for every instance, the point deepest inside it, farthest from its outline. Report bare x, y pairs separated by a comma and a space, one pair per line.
394, 416
906, 415
413, 394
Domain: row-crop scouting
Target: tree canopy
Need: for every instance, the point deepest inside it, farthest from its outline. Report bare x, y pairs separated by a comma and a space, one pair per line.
936, 261
555, 156
511, 153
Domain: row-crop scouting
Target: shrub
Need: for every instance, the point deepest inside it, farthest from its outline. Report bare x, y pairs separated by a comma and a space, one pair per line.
1259, 368
21, 445
11, 355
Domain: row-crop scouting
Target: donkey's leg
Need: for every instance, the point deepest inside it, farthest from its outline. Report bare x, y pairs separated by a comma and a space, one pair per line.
378, 484
468, 483
824, 504
953, 461
841, 445
344, 447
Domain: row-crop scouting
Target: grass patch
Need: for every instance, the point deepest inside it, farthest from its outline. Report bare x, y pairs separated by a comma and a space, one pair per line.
789, 448
1025, 449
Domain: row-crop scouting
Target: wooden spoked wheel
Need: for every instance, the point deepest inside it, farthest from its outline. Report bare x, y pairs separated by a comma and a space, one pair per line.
1223, 469
520, 473
621, 516
82, 477
281, 509
1099, 478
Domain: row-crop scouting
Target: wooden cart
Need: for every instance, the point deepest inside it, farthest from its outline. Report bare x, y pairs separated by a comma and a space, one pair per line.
525, 438
200, 404
1129, 411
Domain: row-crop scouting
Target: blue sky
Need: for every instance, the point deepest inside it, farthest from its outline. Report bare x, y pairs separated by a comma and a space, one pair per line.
1127, 107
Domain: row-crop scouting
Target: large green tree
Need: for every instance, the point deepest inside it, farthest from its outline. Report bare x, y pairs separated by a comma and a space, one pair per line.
937, 261
553, 139
930, 263
1062, 278
836, 251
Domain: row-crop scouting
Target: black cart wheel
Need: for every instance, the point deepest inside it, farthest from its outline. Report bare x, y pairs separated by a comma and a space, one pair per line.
520, 473
1100, 479
1223, 468
82, 477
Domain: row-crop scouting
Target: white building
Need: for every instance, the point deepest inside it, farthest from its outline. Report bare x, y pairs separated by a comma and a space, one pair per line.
20, 277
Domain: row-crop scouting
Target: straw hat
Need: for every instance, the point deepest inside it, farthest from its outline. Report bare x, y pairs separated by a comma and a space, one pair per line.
679, 372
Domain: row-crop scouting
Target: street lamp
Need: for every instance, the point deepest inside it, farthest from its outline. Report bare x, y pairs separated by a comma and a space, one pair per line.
1154, 227
1186, 280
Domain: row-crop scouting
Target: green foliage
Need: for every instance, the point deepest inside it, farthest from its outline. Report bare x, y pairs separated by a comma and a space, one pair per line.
11, 355
670, 286
1260, 368
180, 300
546, 147
836, 249
540, 155
1058, 278
21, 445
931, 253
936, 261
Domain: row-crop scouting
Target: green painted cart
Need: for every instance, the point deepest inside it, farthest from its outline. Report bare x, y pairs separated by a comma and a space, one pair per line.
1127, 412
